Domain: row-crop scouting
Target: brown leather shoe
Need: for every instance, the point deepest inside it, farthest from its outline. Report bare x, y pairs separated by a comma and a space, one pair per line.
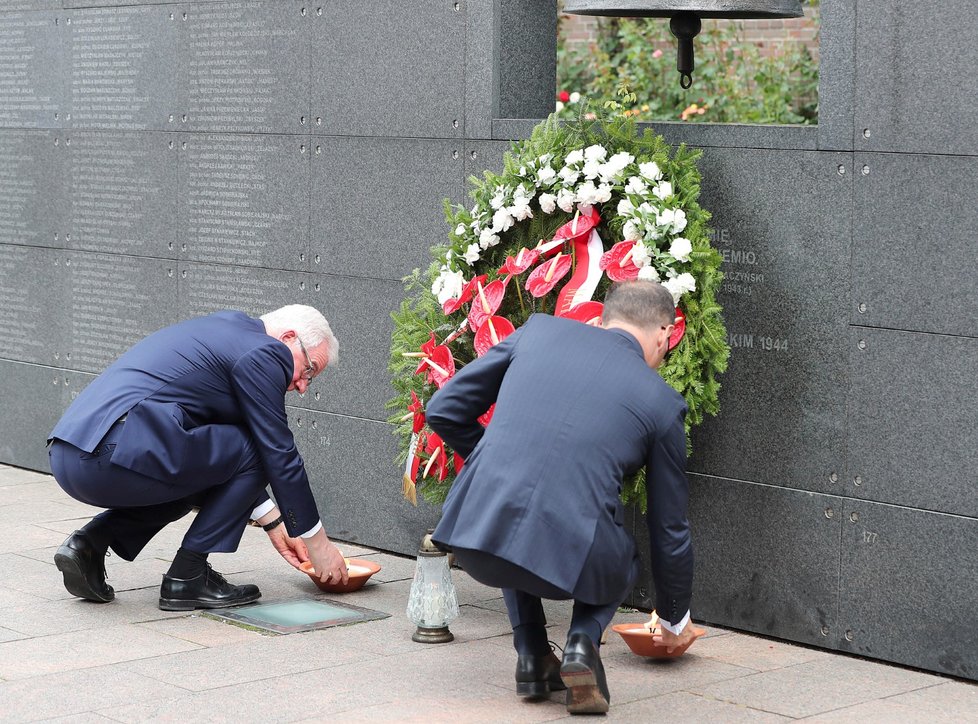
208, 590
83, 568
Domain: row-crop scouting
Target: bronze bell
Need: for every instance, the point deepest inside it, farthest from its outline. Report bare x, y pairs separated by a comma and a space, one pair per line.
685, 17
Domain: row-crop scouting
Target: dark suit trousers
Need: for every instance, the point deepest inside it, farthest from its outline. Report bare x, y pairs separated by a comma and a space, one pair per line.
523, 591
139, 507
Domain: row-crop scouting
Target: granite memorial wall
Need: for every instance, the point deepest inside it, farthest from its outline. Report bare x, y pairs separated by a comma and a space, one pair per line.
163, 160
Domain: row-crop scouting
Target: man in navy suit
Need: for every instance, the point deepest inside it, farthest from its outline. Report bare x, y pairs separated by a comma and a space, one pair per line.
536, 510
194, 416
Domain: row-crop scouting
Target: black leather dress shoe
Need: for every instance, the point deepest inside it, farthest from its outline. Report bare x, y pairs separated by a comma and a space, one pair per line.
583, 673
537, 676
83, 568
208, 590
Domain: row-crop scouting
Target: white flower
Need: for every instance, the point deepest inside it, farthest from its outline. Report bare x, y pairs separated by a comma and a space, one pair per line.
680, 248
663, 190
591, 169
636, 186
625, 207
603, 194
522, 171
546, 176
650, 170
520, 209
678, 286
675, 219
460, 230
471, 253
565, 200
575, 97
614, 166
631, 232
574, 157
569, 175
640, 254
487, 239
587, 193
501, 221
548, 203
499, 200
545, 159
448, 285
596, 152
559, 107
649, 274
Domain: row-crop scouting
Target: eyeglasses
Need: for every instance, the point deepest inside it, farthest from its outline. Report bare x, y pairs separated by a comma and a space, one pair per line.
309, 372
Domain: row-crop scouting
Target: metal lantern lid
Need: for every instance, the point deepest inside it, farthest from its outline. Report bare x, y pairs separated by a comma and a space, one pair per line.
746, 9
684, 17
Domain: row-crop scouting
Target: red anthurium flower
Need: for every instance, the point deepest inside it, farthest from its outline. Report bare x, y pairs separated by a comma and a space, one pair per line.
437, 457
459, 462
437, 362
485, 302
486, 417
418, 409
416, 460
579, 227
493, 331
520, 263
617, 262
452, 305
587, 312
680, 330
546, 275
563, 96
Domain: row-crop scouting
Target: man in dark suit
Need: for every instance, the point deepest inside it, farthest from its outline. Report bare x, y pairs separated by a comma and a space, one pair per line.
536, 510
194, 416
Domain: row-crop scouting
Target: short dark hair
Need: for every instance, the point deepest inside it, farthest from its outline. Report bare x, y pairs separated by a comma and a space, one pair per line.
646, 304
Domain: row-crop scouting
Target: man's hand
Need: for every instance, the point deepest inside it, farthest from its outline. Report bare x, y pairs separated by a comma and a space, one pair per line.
326, 559
673, 641
293, 550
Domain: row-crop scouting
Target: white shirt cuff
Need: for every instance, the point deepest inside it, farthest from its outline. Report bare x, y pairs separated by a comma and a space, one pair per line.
262, 509
675, 628
312, 531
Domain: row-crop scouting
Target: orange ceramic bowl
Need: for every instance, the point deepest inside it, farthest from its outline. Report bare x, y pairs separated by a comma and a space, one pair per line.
360, 571
644, 643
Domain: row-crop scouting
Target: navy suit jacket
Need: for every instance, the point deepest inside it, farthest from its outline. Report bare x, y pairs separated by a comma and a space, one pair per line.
175, 385
577, 410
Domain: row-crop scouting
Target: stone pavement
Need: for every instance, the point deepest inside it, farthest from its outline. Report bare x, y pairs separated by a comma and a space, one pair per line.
66, 660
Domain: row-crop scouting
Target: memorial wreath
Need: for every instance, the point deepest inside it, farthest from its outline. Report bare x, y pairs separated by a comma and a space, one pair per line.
579, 205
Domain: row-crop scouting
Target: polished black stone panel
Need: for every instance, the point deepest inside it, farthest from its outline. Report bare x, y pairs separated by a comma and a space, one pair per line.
113, 302
526, 58
33, 327
913, 234
122, 188
481, 156
358, 311
781, 223
836, 79
351, 469
207, 288
10, 6
33, 197
909, 587
32, 402
766, 558
124, 67
389, 69
913, 419
247, 67
32, 84
377, 203
914, 77
244, 200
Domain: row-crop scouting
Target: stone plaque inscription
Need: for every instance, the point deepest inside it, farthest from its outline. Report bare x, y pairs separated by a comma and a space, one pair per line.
30, 304
123, 193
115, 302
247, 69
124, 66
244, 200
30, 64
206, 289
31, 198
